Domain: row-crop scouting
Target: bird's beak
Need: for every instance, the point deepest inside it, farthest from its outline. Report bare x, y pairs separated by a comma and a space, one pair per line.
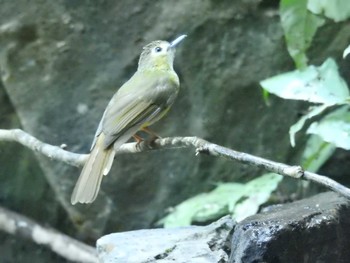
177, 41
346, 52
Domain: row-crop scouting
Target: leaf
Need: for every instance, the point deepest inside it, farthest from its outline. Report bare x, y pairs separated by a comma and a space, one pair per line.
338, 10
314, 84
266, 96
334, 128
299, 26
259, 191
316, 153
301, 122
205, 206
222, 200
346, 52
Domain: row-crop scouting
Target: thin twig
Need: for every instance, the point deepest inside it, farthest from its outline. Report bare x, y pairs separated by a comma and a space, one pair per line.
53, 152
61, 244
200, 145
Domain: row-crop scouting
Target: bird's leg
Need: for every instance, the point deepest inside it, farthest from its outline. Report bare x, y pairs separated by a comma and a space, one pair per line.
138, 139
154, 135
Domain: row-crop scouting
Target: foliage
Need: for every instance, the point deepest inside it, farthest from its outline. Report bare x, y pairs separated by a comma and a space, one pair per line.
346, 51
320, 85
314, 84
239, 200
316, 153
299, 27
338, 10
301, 122
334, 128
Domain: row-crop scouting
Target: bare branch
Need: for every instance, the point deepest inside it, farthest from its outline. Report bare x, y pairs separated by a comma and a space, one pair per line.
61, 244
53, 152
200, 145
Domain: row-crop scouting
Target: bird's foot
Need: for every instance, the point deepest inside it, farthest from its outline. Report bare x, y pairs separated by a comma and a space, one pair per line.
138, 140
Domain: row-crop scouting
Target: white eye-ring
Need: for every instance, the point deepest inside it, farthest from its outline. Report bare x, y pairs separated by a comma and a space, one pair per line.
158, 49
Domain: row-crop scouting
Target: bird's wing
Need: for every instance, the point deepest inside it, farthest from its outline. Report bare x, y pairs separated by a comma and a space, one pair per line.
98, 131
138, 103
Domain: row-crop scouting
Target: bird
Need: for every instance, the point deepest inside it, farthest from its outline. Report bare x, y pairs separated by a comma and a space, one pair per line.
141, 101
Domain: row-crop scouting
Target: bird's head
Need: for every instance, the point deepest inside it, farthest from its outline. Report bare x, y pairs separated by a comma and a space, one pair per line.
159, 55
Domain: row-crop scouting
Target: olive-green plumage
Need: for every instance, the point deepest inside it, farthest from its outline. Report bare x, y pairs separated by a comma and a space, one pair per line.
141, 101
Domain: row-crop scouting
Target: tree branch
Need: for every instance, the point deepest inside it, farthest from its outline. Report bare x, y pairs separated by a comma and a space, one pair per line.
61, 244
200, 145
53, 152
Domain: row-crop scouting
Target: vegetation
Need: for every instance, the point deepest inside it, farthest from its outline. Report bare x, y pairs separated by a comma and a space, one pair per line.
321, 86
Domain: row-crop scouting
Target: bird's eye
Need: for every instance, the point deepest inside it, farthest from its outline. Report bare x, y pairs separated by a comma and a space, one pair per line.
158, 49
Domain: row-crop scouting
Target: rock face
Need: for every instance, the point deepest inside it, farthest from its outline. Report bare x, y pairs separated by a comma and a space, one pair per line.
311, 230
61, 61
195, 244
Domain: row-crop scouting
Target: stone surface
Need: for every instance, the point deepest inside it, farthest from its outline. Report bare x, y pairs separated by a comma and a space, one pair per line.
316, 229
195, 244
61, 61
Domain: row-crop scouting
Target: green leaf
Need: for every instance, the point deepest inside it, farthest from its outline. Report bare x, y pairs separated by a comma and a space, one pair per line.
266, 96
299, 27
222, 200
346, 52
334, 128
258, 191
314, 84
316, 153
300, 123
205, 206
338, 10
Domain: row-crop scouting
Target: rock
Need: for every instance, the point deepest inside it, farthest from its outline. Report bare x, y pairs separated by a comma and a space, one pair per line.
311, 230
195, 244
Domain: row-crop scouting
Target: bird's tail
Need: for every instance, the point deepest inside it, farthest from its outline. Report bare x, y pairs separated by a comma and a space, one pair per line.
97, 165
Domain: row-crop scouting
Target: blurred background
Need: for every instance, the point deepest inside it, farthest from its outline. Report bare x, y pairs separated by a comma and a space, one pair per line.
61, 61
